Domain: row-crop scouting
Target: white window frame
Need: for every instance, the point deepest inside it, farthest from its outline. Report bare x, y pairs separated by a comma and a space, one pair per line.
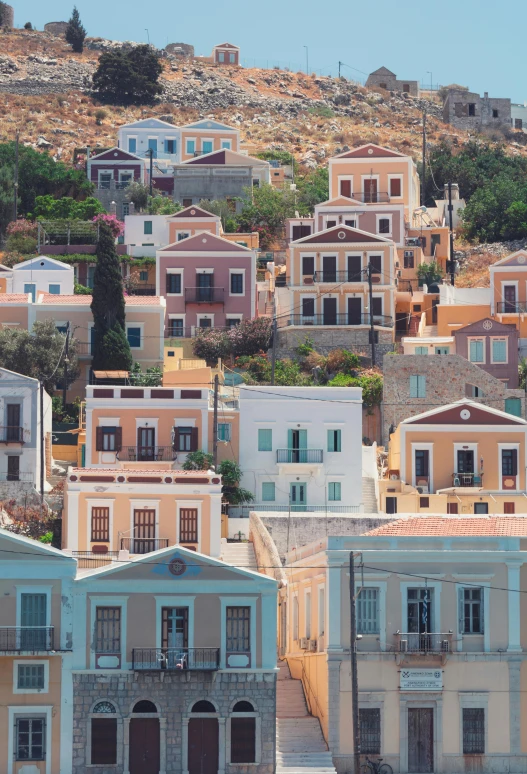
110, 601
30, 662
429, 447
141, 326
308, 316
204, 316
483, 340
100, 503
180, 232
370, 177
24, 712
344, 178
380, 585
378, 219
237, 271
395, 177
175, 601
499, 338
229, 425
224, 146
47, 590
105, 172
174, 139
187, 140
516, 285
128, 172
330, 217
436, 607
249, 602
470, 582
502, 447
473, 447
181, 273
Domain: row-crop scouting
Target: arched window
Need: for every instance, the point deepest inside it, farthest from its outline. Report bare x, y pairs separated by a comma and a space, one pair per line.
243, 733
104, 735
203, 706
145, 706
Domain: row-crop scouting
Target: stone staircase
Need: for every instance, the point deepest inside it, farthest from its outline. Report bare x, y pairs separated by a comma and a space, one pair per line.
429, 331
300, 745
239, 554
368, 496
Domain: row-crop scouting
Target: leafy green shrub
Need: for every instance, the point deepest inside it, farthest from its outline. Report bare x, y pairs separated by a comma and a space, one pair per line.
306, 348
322, 111
81, 290
341, 360
429, 273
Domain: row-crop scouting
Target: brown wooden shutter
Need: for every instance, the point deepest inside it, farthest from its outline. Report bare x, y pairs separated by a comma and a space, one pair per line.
100, 525
514, 462
188, 525
176, 439
118, 438
194, 439
104, 741
345, 188
509, 508
395, 186
243, 740
98, 439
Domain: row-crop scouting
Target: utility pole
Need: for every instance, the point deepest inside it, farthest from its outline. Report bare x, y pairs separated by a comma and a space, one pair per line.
273, 350
151, 152
450, 225
423, 181
42, 455
372, 327
215, 423
354, 674
66, 362
339, 68
15, 183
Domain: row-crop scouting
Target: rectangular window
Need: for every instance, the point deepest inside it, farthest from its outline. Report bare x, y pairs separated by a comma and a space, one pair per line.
100, 525
134, 337
345, 188
232, 58
174, 283
147, 227
237, 283
418, 386
509, 508
384, 226
243, 739
30, 677
175, 328
352, 223
321, 611
54, 290
472, 108
334, 490
421, 350
238, 629
368, 611
224, 431
232, 322
30, 287
376, 263
268, 491
132, 145
206, 146
183, 235
473, 731
191, 149
152, 146
108, 630
499, 350
452, 508
174, 627
170, 146
421, 463
108, 439
265, 439
435, 240
409, 259
221, 56
184, 439
395, 186
143, 276
334, 440
471, 610
509, 462
481, 508
370, 731
476, 351
308, 307
226, 144
103, 741
308, 265
188, 525
391, 505
30, 739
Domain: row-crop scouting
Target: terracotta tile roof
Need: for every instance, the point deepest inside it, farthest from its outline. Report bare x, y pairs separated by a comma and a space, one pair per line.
13, 298
455, 526
49, 298
143, 300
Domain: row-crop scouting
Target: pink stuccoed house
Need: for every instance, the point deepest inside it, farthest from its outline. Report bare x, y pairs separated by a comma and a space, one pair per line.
208, 282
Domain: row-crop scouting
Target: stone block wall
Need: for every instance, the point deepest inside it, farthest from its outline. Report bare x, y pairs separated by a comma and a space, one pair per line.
8, 16
456, 110
447, 377
325, 339
56, 28
180, 49
174, 694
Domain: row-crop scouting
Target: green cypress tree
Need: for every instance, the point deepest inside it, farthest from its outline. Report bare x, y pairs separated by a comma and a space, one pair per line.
111, 350
75, 32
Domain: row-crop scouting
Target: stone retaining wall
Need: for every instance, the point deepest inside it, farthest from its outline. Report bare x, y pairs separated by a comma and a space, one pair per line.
325, 339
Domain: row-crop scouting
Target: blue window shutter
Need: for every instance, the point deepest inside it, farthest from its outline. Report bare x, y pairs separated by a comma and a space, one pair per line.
265, 439
421, 386
302, 439
289, 439
331, 440
268, 491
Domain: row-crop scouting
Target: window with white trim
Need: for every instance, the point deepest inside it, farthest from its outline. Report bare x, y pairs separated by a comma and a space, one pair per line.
471, 610
367, 607
30, 739
31, 677
224, 431
476, 350
499, 350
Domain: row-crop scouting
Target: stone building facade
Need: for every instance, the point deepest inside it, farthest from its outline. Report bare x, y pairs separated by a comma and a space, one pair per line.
443, 379
8, 15
184, 50
327, 338
56, 28
167, 701
467, 110
385, 79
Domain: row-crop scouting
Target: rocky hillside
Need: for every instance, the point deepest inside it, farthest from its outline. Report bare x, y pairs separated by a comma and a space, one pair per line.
45, 92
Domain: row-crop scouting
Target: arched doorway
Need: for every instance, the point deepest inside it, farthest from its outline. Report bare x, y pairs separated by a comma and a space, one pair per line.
144, 739
203, 739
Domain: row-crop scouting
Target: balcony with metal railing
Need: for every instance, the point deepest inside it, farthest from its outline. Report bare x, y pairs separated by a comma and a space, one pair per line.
428, 642
300, 456
341, 319
204, 295
117, 185
175, 659
18, 475
89, 560
467, 479
511, 307
26, 638
11, 434
339, 276
372, 197
142, 545
147, 454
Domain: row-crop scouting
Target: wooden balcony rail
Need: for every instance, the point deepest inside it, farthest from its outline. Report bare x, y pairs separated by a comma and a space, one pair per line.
16, 638
183, 659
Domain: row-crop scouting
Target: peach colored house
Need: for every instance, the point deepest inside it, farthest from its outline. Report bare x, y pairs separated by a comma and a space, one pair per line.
36, 630
205, 136
461, 458
441, 649
226, 54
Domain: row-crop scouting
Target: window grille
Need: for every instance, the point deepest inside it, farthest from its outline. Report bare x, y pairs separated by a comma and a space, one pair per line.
370, 731
473, 731
108, 630
238, 629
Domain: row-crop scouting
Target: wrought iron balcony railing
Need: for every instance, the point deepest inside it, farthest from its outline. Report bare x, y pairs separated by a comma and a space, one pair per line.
340, 319
17, 638
511, 307
204, 295
467, 479
429, 642
299, 455
183, 659
147, 453
139, 545
11, 434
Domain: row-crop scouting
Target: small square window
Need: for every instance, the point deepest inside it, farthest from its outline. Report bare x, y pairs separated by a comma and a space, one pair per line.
224, 431
424, 502
334, 490
148, 227
143, 276
384, 226
134, 337
31, 677
54, 290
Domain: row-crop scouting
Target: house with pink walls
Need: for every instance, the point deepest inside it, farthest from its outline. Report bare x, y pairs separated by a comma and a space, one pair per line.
208, 282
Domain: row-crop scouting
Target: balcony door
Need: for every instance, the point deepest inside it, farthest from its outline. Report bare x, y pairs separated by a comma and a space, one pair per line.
146, 443
297, 445
329, 310
354, 311
419, 612
144, 531
509, 295
33, 620
420, 740
329, 268
205, 287
465, 467
13, 422
370, 190
422, 467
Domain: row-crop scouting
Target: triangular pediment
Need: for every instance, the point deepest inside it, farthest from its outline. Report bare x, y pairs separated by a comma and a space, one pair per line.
209, 123
370, 151
227, 45
191, 212
340, 201
519, 259
205, 242
42, 263
341, 235
116, 154
148, 123
383, 71
466, 413
487, 326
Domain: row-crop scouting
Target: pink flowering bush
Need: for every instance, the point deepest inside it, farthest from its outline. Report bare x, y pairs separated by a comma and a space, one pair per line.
115, 225
22, 227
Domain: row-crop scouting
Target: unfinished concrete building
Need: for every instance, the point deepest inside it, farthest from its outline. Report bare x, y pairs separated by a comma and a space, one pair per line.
467, 110
385, 79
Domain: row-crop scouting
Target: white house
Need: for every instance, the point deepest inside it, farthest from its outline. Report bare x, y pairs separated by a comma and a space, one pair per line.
301, 447
20, 428
161, 137
144, 234
43, 275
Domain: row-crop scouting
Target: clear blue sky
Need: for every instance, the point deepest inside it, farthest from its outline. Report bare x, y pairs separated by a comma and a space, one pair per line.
477, 43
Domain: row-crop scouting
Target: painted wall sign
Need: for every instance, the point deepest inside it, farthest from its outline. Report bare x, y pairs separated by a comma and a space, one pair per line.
421, 680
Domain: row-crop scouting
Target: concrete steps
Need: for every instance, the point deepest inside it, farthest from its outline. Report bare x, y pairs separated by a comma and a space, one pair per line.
368, 496
239, 555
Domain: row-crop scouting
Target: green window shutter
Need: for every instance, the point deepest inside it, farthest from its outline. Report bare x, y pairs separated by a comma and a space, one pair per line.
421, 386
224, 431
338, 434
476, 351
367, 609
421, 350
289, 439
331, 440
513, 406
148, 227
268, 492
461, 609
302, 439
334, 490
499, 351
265, 439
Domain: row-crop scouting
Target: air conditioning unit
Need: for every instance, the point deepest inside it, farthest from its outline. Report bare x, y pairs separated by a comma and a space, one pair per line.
422, 489
403, 646
303, 643
312, 646
321, 643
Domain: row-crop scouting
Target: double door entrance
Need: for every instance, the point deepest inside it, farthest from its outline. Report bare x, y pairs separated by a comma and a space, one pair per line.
420, 740
203, 746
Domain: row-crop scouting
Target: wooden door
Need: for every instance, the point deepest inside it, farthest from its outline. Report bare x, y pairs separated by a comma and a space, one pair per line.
144, 746
144, 531
421, 740
203, 747
329, 268
146, 440
370, 190
330, 311
13, 468
509, 294
354, 311
13, 422
435, 302
205, 286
